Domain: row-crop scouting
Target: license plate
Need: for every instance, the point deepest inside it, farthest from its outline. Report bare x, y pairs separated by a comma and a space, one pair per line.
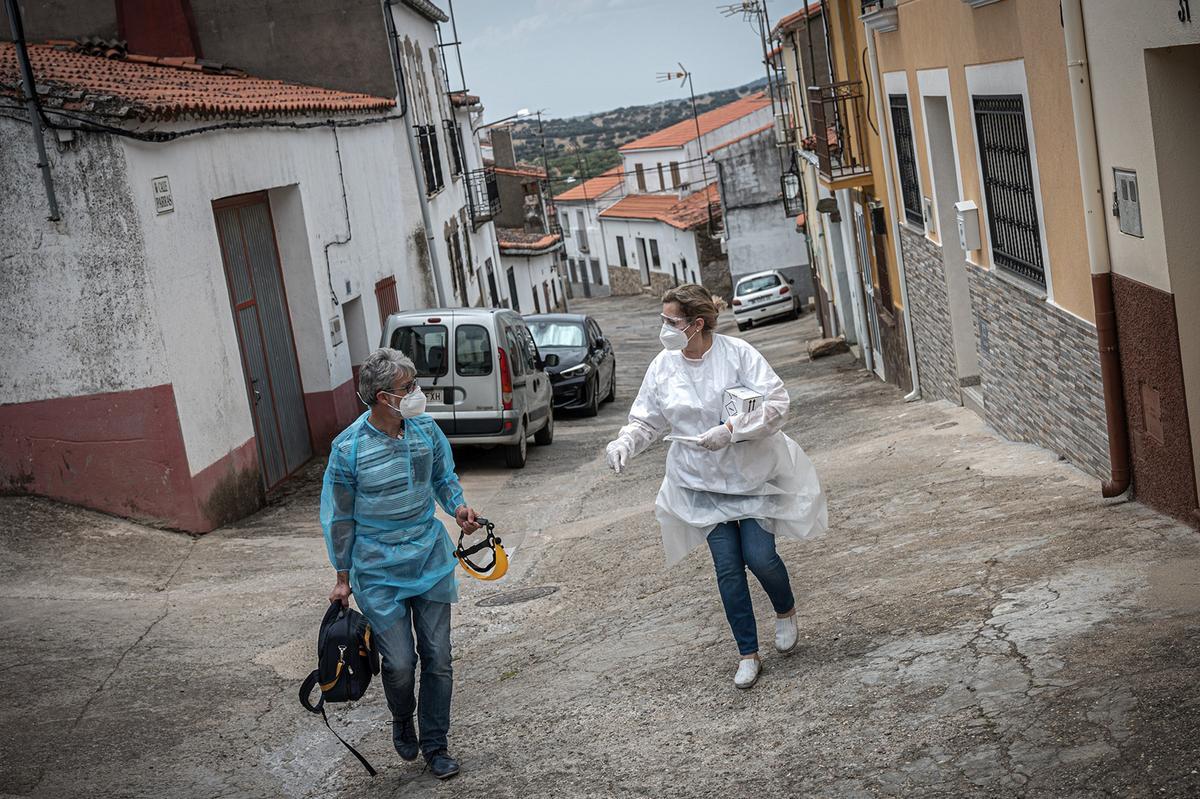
433, 396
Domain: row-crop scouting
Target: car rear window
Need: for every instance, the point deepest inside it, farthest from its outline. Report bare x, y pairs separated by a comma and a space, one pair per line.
557, 334
426, 345
757, 284
472, 351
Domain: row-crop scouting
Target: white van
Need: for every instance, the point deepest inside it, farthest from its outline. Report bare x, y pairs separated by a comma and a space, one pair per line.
482, 374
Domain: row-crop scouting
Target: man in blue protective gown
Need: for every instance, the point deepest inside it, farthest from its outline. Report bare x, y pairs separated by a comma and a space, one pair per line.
385, 472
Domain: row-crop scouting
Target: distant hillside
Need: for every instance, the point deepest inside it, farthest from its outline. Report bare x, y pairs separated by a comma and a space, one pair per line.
597, 136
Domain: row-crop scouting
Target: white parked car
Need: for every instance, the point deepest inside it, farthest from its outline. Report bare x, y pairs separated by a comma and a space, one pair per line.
762, 296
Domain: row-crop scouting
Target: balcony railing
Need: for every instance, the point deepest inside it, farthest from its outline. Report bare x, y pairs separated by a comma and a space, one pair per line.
839, 140
483, 195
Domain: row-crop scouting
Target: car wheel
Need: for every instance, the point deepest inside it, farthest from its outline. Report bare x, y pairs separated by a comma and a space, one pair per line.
742, 328
593, 406
516, 454
545, 436
612, 385
795, 311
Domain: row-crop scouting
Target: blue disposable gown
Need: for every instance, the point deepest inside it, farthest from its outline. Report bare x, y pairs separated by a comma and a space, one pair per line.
377, 510
763, 475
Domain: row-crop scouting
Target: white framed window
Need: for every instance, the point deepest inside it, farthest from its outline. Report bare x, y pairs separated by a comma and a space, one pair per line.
999, 101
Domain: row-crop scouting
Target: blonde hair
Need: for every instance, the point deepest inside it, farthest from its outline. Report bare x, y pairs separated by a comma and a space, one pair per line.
696, 303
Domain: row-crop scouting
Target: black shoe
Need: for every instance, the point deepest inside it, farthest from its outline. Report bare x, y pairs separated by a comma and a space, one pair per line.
404, 738
442, 765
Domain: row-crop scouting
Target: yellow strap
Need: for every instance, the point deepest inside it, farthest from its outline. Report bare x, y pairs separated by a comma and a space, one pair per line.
325, 686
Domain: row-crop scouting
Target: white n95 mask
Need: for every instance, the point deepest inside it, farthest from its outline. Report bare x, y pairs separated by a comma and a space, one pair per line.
673, 338
413, 403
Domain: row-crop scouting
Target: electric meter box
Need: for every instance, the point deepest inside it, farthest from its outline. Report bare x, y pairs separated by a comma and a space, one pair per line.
968, 225
739, 400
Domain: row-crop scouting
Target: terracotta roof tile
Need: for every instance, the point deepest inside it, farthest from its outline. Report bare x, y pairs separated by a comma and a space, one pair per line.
516, 240
145, 87
796, 17
463, 100
683, 214
737, 139
522, 171
594, 187
683, 132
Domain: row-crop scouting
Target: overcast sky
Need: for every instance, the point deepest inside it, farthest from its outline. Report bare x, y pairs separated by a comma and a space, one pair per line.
572, 57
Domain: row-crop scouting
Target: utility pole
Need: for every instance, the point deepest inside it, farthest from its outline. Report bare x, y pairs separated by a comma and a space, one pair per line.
686, 76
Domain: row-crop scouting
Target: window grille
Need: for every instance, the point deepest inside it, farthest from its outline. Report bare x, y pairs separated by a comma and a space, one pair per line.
1008, 185
906, 159
431, 160
455, 143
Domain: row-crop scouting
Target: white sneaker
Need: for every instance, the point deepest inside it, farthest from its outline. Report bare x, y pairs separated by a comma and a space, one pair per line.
747, 673
786, 634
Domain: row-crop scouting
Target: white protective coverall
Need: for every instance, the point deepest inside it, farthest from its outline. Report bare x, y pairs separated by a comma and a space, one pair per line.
763, 475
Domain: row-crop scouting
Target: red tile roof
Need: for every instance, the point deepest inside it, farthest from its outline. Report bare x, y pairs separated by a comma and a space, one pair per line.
683, 214
595, 187
796, 17
683, 132
737, 139
145, 87
463, 100
514, 241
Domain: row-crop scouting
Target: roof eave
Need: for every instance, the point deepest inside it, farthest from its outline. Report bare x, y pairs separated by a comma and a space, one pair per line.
427, 10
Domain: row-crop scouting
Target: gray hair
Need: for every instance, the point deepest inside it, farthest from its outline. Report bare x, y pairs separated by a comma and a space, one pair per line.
379, 372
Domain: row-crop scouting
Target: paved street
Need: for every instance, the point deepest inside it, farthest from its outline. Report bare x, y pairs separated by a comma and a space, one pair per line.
978, 622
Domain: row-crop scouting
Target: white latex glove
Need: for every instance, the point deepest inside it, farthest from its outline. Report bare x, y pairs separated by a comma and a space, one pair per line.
617, 453
716, 438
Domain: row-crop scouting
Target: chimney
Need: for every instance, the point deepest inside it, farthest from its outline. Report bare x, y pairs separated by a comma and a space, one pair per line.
158, 27
503, 154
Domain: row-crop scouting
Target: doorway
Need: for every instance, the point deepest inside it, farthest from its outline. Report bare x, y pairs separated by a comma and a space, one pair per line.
268, 349
868, 279
954, 259
643, 261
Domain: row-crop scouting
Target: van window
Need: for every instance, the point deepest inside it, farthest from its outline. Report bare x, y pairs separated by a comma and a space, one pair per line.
472, 351
757, 284
426, 345
516, 358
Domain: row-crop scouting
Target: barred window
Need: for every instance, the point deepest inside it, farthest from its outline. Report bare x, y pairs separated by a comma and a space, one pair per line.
454, 141
431, 159
1008, 186
906, 159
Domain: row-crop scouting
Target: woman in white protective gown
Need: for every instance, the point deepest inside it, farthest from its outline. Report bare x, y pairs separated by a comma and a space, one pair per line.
737, 484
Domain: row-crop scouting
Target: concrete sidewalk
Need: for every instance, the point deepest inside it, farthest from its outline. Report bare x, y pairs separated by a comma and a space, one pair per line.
978, 622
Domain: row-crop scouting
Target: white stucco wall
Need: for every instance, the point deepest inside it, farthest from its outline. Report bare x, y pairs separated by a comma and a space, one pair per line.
531, 272
674, 245
79, 315
186, 272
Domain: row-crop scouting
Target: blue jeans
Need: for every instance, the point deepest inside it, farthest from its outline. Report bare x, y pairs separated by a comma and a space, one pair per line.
736, 546
431, 623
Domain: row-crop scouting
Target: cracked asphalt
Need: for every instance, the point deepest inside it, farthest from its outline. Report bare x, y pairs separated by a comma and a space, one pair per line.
977, 622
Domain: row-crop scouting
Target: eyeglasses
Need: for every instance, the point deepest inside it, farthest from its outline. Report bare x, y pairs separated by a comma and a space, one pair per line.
403, 389
673, 321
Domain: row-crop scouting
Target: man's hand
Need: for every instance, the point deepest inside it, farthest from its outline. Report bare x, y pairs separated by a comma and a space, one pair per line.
466, 519
717, 438
341, 590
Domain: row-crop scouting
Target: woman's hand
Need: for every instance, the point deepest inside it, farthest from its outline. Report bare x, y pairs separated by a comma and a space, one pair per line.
617, 454
466, 519
341, 590
717, 438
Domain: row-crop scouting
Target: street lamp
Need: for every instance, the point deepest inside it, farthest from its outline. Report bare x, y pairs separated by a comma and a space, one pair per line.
521, 114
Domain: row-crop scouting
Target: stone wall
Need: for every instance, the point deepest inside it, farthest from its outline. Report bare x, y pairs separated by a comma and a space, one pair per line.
929, 315
714, 265
625, 281
894, 344
1040, 371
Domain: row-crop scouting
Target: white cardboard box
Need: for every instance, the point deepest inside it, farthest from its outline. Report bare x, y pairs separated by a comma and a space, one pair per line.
739, 400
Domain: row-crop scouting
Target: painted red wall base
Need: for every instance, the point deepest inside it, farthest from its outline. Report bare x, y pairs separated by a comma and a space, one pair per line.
123, 453
329, 413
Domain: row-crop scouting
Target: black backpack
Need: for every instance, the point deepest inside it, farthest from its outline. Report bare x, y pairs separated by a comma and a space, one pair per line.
346, 660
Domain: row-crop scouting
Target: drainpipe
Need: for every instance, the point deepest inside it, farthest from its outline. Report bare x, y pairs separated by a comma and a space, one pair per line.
1095, 226
885, 147
29, 89
418, 174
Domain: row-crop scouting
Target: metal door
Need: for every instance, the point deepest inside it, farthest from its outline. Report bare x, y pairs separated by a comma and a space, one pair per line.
264, 330
868, 277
